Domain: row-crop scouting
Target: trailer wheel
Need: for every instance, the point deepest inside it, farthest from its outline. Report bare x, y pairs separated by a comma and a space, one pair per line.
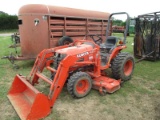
79, 84
64, 40
123, 66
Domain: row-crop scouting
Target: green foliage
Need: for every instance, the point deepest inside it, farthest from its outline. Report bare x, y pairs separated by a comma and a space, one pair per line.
118, 22
8, 21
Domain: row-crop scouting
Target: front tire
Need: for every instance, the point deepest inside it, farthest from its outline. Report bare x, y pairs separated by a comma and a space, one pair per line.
79, 84
123, 66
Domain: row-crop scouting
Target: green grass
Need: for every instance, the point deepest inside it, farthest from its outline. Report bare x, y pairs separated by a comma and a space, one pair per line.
137, 99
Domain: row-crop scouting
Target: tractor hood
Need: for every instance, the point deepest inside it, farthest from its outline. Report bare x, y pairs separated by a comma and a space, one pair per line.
74, 50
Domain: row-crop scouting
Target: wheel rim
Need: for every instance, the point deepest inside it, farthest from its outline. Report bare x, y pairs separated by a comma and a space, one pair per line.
82, 86
128, 67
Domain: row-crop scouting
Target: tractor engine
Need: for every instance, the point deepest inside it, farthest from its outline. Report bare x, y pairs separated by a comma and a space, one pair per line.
57, 59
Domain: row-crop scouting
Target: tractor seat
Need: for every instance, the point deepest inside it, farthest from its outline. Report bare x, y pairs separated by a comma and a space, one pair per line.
110, 44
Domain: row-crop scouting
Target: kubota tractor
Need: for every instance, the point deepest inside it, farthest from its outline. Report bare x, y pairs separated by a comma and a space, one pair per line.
80, 65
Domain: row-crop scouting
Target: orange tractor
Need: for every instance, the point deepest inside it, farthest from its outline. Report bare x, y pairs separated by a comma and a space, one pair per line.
80, 65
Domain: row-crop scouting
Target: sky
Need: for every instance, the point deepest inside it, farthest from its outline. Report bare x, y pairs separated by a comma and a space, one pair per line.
132, 7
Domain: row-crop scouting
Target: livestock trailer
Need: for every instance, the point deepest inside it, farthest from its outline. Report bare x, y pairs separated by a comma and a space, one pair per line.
41, 27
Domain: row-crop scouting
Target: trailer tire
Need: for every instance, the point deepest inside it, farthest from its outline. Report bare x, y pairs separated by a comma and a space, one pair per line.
65, 40
123, 66
79, 84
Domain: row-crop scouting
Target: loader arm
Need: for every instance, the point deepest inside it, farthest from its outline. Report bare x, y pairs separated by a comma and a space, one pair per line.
43, 59
30, 103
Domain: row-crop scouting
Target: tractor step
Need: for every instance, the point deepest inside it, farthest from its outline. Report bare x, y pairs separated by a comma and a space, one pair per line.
28, 102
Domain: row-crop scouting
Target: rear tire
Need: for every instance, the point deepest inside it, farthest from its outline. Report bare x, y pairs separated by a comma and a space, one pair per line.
64, 40
123, 66
79, 84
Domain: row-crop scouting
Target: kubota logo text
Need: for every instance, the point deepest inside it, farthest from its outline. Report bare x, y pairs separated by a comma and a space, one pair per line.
82, 54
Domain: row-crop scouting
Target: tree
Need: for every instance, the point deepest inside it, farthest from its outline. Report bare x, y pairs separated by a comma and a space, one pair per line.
8, 21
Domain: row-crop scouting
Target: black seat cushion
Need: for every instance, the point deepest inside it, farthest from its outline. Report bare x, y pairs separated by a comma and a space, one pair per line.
111, 42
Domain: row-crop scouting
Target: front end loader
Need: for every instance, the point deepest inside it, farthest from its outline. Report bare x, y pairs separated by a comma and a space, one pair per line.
80, 65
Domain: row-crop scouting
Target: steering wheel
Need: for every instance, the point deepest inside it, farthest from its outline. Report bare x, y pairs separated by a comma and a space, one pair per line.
97, 41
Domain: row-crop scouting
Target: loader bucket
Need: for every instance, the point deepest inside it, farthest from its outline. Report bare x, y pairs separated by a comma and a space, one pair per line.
28, 102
